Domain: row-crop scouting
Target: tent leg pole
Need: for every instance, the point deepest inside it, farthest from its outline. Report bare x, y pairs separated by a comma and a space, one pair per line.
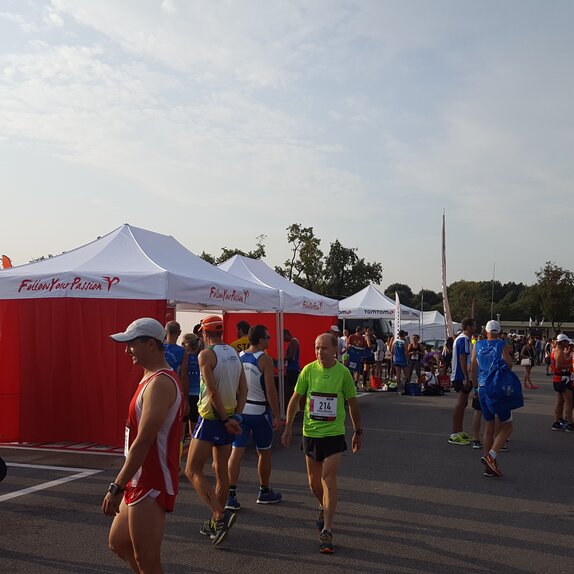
280, 372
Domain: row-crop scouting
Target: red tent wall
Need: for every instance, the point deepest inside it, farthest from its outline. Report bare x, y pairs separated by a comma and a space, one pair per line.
10, 372
305, 328
67, 380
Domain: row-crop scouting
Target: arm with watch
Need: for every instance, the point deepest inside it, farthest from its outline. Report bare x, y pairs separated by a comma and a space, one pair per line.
355, 415
159, 396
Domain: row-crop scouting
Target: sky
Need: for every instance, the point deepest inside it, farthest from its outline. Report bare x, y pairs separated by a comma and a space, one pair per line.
216, 121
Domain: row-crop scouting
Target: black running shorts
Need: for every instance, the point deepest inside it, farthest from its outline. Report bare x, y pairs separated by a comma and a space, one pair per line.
320, 448
458, 386
562, 386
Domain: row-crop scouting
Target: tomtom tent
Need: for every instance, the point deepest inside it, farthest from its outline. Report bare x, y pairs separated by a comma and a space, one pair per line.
371, 303
305, 314
62, 376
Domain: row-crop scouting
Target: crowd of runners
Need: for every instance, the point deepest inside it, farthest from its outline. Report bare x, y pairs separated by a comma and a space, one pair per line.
231, 398
224, 395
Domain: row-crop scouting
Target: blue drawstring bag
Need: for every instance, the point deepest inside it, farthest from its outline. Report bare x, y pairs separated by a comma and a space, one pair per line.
502, 388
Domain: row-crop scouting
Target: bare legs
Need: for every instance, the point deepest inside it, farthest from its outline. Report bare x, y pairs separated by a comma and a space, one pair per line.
199, 452
458, 413
263, 466
492, 442
136, 535
323, 484
527, 379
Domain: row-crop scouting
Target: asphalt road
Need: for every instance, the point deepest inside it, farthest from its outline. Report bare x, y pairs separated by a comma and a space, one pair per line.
409, 502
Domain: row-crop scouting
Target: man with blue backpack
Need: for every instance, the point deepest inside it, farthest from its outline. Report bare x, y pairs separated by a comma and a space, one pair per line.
499, 393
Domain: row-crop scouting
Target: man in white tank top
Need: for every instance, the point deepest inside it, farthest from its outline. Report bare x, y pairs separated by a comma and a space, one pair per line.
222, 396
260, 417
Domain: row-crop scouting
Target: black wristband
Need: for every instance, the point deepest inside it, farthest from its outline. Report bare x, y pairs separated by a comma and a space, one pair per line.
225, 421
115, 489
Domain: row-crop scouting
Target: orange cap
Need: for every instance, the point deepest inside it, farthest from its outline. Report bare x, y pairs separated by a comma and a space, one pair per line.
212, 323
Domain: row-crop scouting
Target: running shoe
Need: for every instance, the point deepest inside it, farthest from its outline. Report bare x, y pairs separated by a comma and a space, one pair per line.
564, 423
268, 497
465, 436
326, 540
457, 439
232, 503
504, 448
320, 522
222, 527
207, 528
569, 428
489, 474
476, 444
557, 426
490, 464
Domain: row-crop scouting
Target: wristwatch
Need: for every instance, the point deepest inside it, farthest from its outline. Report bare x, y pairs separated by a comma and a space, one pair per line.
359, 431
115, 489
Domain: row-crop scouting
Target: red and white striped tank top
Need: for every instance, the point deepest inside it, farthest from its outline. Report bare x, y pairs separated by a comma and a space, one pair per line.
160, 469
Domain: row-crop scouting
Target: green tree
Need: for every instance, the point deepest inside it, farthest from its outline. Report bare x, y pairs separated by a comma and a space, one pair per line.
227, 253
208, 257
526, 306
305, 267
461, 295
405, 293
555, 290
430, 300
346, 273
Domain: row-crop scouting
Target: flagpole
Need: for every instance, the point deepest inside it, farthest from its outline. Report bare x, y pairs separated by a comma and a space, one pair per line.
397, 315
492, 295
446, 306
422, 318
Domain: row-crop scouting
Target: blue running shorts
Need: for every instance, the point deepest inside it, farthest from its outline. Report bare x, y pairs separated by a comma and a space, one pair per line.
262, 428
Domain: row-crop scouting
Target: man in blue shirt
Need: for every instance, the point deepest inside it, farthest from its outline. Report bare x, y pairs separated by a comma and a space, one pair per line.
482, 359
460, 379
173, 352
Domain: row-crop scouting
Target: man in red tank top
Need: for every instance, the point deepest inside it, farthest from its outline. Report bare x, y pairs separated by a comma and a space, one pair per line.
146, 486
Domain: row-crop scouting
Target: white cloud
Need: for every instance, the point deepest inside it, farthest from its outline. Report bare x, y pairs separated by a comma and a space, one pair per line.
361, 118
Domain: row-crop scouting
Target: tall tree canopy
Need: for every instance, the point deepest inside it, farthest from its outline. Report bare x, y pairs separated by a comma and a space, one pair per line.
405, 293
555, 291
339, 274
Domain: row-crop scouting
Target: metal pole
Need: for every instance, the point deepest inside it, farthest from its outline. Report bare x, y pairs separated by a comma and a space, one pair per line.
492, 296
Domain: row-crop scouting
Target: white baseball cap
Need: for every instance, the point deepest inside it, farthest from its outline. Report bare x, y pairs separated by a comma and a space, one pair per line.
145, 327
334, 328
493, 327
562, 337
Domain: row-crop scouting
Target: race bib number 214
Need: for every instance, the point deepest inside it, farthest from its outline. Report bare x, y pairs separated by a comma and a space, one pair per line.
323, 406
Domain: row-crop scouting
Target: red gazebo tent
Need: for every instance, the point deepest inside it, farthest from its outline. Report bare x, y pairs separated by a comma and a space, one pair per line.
63, 379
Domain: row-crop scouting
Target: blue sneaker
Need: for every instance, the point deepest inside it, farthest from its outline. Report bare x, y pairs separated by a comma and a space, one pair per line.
269, 497
232, 503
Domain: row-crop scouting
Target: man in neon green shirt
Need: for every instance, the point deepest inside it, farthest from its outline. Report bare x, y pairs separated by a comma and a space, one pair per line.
325, 384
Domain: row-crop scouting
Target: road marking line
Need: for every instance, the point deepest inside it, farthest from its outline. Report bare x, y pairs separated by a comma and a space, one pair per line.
67, 451
81, 473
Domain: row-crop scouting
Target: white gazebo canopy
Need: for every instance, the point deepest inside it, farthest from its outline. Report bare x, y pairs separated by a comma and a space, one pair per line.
371, 303
295, 299
133, 263
430, 326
